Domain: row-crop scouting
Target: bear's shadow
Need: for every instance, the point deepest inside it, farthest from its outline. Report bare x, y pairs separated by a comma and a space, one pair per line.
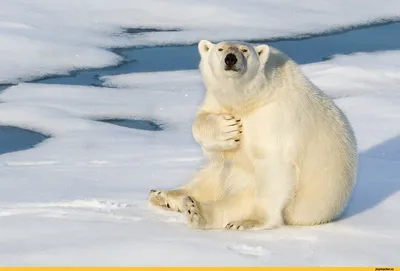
378, 177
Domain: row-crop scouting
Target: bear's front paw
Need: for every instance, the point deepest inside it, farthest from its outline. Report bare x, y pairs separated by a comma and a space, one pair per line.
193, 213
228, 130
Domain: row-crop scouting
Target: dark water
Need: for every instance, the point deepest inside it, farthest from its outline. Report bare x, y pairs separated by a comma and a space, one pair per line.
170, 58
3, 87
16, 139
307, 50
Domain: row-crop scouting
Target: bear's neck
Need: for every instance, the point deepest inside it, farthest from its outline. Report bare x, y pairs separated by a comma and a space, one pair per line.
240, 99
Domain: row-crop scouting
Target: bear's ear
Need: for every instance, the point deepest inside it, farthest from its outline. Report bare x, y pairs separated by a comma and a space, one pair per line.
262, 51
205, 46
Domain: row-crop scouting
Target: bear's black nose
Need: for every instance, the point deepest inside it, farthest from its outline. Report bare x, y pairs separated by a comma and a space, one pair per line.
230, 59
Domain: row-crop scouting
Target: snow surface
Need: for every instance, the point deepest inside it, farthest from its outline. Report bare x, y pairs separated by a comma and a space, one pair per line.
73, 34
80, 197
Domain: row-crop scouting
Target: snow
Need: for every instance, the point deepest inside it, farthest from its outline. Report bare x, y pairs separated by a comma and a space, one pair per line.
80, 197
74, 34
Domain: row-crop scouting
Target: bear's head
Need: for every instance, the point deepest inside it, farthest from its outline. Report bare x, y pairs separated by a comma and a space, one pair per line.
238, 61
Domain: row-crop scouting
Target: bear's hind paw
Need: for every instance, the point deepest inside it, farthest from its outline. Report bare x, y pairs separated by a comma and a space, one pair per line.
193, 213
161, 199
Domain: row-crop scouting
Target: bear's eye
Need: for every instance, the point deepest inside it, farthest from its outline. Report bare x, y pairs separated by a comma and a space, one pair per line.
220, 49
244, 50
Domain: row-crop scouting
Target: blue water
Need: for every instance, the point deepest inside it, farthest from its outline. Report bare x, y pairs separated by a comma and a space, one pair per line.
171, 58
3, 87
307, 50
16, 139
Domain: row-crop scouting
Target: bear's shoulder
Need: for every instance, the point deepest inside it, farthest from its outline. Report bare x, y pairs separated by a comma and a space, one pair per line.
278, 59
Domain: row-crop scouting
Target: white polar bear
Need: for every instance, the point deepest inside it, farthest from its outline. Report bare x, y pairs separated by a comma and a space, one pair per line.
279, 150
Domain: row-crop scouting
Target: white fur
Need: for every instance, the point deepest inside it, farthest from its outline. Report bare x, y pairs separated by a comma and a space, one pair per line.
279, 150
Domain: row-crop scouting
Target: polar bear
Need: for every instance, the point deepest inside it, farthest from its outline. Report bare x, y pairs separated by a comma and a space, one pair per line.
279, 150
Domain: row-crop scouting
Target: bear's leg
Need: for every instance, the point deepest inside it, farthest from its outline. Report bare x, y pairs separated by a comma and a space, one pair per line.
169, 200
274, 185
204, 187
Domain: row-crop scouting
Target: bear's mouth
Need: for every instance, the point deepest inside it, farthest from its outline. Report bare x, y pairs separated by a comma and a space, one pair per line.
231, 68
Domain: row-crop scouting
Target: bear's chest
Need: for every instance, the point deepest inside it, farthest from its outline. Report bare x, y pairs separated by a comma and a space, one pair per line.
266, 131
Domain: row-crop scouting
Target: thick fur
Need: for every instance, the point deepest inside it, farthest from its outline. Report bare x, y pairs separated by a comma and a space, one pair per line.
279, 150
